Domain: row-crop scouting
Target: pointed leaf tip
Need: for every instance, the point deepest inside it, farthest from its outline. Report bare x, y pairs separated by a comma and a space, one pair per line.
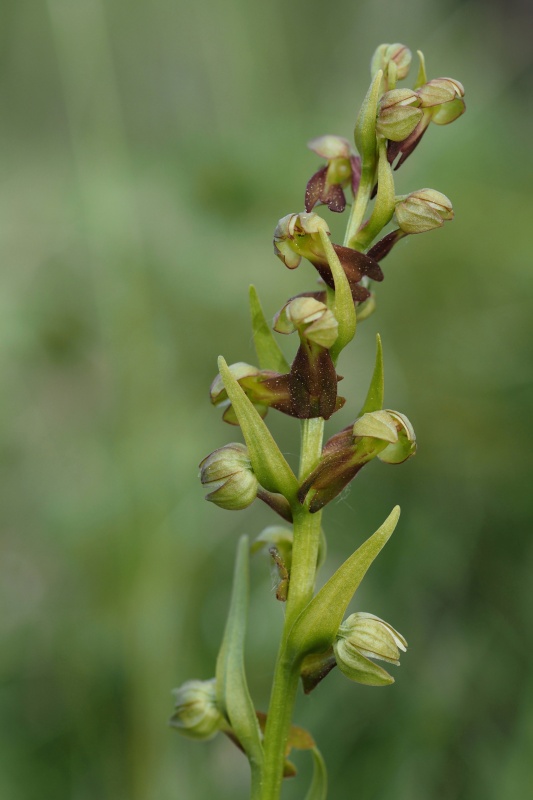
233, 695
268, 351
376, 391
317, 626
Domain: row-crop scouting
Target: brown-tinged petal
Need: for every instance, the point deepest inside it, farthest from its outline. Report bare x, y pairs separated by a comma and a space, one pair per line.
315, 189
385, 245
313, 383
334, 198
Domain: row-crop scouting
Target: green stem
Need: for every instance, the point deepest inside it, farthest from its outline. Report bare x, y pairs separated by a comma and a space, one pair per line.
312, 433
360, 204
301, 588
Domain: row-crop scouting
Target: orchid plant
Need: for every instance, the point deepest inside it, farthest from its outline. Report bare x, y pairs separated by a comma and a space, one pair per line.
316, 637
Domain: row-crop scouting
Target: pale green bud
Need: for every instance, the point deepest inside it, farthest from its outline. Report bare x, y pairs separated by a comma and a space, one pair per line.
376, 425
405, 447
398, 114
439, 91
385, 53
197, 715
362, 637
311, 318
228, 474
423, 210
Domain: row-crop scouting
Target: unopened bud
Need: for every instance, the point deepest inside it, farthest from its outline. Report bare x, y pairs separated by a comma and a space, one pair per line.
376, 425
423, 210
385, 53
197, 715
311, 318
439, 91
398, 114
345, 454
405, 446
228, 474
362, 637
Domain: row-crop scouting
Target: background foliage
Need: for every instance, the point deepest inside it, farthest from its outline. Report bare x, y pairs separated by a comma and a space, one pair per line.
147, 151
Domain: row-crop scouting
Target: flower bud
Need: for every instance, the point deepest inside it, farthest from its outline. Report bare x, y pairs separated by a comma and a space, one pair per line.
439, 91
398, 114
197, 714
423, 210
228, 474
444, 98
345, 454
311, 318
362, 637
376, 425
405, 446
399, 54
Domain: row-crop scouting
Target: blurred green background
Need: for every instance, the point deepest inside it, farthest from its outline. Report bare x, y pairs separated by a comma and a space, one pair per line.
147, 150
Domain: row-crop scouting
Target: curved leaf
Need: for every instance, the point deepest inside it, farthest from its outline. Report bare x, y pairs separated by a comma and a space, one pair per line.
233, 696
319, 785
268, 351
316, 627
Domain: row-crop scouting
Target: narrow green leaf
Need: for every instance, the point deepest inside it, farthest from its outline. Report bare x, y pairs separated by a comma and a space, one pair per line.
268, 351
375, 397
343, 308
319, 785
316, 627
233, 696
269, 465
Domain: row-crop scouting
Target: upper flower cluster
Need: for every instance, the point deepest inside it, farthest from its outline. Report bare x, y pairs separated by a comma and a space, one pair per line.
390, 124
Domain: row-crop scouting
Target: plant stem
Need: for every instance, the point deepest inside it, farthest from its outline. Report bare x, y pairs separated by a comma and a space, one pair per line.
303, 570
301, 587
360, 203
